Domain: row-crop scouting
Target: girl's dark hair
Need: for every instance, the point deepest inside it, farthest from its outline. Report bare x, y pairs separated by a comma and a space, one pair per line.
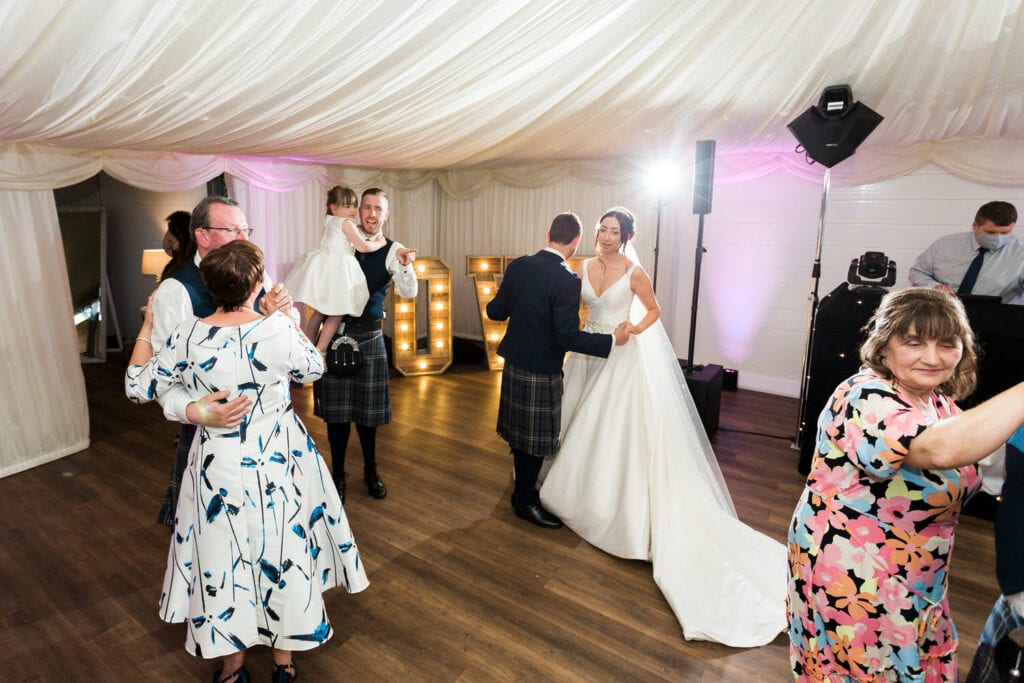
178, 225
231, 273
341, 196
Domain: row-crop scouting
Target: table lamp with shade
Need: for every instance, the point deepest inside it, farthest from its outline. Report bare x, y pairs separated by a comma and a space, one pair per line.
153, 262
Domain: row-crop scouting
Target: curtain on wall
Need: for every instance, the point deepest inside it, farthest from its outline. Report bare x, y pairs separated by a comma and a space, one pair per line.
446, 214
443, 214
476, 213
42, 397
485, 92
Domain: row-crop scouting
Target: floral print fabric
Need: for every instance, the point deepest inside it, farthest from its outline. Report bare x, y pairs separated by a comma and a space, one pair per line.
870, 544
259, 531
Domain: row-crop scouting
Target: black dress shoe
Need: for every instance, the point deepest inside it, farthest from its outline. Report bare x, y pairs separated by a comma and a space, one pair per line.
536, 514
375, 487
341, 487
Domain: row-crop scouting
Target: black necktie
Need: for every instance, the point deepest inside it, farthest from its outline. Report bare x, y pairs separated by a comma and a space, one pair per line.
971, 276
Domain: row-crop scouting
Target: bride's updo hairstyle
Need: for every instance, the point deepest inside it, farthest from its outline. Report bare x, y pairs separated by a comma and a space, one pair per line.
341, 196
231, 273
627, 224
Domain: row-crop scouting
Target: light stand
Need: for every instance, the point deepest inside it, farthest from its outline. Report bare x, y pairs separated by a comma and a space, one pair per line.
828, 133
657, 243
805, 374
703, 184
698, 257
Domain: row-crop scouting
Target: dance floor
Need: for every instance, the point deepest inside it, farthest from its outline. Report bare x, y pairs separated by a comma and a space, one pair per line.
461, 590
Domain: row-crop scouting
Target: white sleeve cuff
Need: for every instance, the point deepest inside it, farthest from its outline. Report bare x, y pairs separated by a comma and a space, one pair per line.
1017, 603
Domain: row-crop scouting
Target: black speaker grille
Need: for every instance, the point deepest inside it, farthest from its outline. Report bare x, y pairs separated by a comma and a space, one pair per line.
831, 140
703, 176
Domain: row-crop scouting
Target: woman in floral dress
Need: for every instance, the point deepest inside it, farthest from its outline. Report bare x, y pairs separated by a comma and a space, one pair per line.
872, 535
259, 530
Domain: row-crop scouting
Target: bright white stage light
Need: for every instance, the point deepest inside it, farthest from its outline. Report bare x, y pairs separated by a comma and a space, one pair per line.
663, 177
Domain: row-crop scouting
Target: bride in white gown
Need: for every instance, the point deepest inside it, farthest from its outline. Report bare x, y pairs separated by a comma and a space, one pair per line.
636, 475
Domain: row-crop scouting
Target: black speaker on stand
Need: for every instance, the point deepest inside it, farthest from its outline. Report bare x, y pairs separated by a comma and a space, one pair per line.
704, 381
828, 134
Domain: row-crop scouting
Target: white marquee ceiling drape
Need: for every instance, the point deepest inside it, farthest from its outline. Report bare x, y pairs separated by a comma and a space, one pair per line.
436, 84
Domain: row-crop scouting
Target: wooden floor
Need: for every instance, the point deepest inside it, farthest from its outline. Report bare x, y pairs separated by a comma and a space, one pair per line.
460, 589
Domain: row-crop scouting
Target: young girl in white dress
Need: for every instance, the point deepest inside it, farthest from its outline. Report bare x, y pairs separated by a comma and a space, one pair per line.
636, 475
329, 280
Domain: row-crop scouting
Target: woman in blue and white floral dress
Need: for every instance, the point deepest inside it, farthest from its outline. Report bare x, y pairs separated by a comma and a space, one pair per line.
260, 531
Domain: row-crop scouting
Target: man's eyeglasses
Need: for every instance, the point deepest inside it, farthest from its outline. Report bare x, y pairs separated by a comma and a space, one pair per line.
234, 232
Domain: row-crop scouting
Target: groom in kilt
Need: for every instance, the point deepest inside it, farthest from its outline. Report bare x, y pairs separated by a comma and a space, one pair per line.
540, 297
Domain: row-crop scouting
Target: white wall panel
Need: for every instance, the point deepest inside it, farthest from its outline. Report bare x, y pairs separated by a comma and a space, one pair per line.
756, 275
760, 236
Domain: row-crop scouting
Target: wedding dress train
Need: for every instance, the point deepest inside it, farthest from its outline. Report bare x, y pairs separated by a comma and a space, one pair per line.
637, 478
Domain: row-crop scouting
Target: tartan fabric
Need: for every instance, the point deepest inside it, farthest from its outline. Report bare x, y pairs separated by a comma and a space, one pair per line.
993, 659
170, 504
363, 398
530, 410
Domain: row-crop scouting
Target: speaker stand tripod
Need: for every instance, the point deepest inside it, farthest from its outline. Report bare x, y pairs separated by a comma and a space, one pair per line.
697, 259
805, 374
657, 244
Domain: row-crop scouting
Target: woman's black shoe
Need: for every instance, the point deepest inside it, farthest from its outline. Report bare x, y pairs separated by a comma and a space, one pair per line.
284, 673
240, 676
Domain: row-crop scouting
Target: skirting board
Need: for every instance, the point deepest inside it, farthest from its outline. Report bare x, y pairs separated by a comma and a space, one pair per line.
769, 385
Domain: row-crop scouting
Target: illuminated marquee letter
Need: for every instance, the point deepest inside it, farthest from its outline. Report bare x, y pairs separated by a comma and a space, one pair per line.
437, 356
485, 270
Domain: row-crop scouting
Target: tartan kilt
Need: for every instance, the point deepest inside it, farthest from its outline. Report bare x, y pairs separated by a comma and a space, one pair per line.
996, 653
363, 398
530, 410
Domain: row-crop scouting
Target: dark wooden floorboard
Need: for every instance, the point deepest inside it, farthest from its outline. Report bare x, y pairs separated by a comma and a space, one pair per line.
460, 589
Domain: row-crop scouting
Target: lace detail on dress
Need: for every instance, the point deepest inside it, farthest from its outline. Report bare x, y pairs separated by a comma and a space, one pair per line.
599, 327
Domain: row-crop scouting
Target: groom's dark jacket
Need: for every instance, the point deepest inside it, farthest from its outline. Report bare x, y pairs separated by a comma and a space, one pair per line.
540, 297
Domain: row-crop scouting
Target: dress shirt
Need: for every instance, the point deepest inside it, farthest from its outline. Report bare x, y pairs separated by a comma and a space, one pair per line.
405, 276
171, 307
946, 262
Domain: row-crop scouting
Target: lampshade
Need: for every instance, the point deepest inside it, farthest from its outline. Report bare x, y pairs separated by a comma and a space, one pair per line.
153, 261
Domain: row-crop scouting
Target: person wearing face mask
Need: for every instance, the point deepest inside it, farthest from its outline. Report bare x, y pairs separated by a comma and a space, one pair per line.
987, 261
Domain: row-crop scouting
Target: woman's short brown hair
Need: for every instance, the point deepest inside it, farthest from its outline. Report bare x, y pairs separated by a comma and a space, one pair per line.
231, 273
928, 314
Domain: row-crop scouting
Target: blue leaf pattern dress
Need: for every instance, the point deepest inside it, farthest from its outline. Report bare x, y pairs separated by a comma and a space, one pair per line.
259, 532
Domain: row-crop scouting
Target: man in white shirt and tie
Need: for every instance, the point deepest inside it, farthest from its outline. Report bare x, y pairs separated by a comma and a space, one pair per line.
986, 261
